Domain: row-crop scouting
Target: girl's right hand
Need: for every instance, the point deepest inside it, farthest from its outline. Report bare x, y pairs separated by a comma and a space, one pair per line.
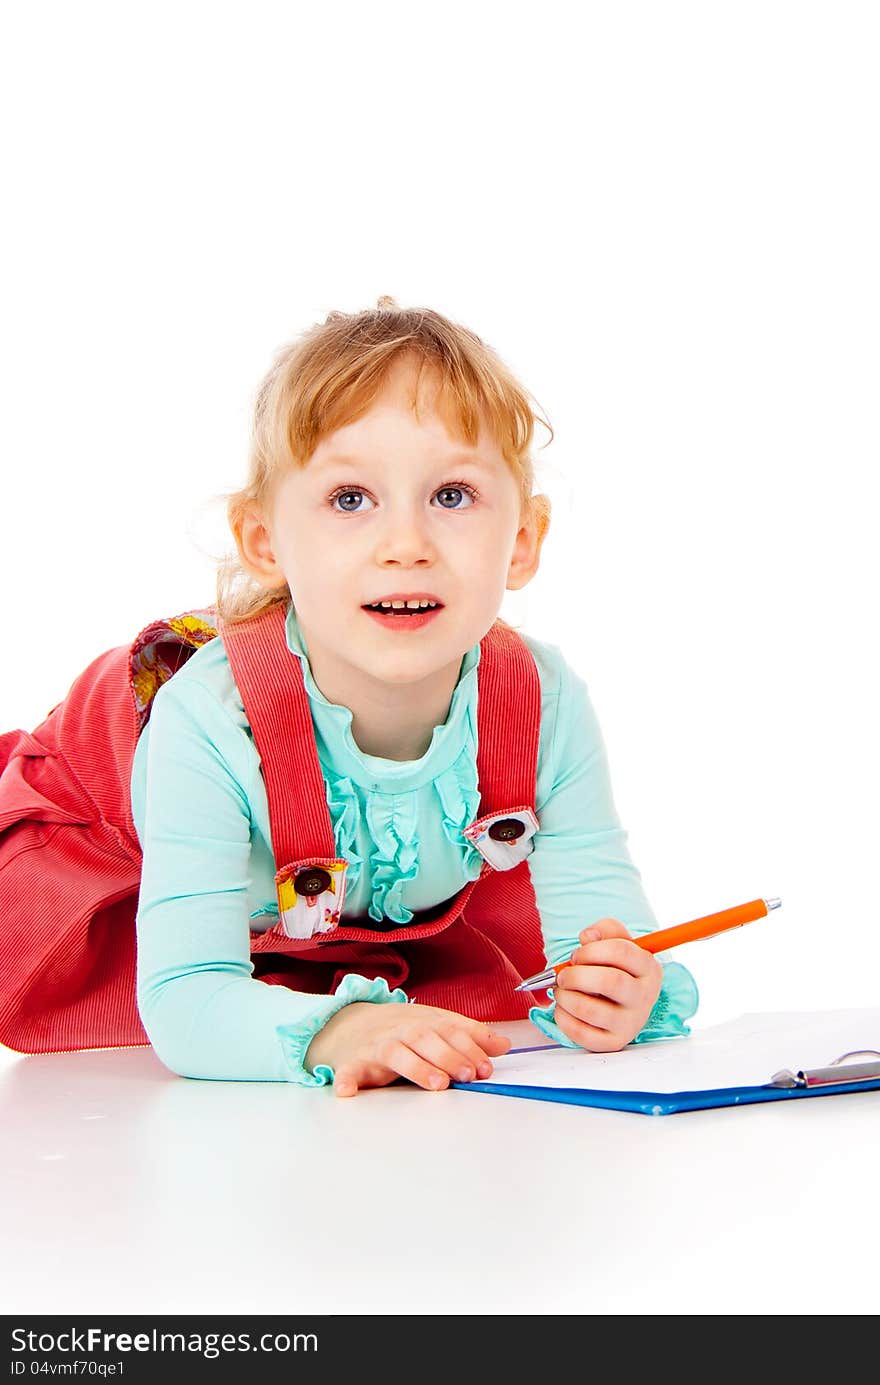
371, 1045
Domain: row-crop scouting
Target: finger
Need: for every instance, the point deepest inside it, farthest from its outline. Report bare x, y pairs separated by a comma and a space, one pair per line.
588, 1036
492, 1043
617, 952
450, 1021
404, 1057
349, 1078
605, 928
610, 983
453, 1053
345, 1082
472, 1052
591, 1010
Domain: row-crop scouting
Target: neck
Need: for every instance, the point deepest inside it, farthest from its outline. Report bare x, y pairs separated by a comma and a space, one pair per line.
391, 722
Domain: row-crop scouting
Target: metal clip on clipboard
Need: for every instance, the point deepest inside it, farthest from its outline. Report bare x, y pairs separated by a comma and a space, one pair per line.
839, 1071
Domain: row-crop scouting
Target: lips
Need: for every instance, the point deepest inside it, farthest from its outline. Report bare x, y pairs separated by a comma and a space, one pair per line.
401, 620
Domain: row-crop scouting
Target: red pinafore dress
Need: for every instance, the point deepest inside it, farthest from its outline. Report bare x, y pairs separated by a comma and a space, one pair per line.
70, 857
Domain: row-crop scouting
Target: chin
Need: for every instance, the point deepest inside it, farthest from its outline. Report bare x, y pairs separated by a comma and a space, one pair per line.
400, 670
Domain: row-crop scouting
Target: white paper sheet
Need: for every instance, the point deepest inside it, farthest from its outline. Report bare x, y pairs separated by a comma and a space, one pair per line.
744, 1052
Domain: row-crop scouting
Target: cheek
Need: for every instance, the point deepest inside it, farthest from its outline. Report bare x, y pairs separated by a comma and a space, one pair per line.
485, 552
286, 557
319, 566
484, 585
297, 571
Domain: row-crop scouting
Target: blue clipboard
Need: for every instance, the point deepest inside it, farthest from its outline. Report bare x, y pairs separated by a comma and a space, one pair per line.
842, 1076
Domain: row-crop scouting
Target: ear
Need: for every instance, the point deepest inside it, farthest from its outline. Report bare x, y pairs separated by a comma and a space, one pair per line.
526, 555
254, 544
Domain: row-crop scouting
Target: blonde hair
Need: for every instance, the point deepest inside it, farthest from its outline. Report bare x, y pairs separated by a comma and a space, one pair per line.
332, 374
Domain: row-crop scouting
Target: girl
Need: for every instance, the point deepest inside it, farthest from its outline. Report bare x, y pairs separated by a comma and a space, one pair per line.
370, 790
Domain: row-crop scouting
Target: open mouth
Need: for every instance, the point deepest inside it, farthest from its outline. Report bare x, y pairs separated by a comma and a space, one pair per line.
421, 608
401, 616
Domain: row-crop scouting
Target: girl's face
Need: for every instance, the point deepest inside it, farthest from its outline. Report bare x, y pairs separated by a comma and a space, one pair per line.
391, 508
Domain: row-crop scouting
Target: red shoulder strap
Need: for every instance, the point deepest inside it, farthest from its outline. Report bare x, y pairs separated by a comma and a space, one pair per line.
269, 679
508, 720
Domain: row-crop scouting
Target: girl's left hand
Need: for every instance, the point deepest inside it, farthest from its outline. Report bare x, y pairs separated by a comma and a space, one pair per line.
604, 999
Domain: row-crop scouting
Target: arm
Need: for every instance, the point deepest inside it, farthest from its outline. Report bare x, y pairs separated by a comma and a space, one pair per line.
584, 879
204, 1013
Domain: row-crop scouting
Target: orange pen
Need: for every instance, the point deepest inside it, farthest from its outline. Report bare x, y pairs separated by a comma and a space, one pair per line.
672, 937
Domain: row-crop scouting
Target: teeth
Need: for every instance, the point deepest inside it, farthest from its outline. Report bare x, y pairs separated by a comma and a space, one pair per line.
401, 605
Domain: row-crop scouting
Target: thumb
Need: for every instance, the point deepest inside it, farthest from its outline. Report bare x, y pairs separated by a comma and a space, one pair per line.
346, 1080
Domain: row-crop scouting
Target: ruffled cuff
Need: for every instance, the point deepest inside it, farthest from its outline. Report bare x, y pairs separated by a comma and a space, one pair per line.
677, 1002
295, 1038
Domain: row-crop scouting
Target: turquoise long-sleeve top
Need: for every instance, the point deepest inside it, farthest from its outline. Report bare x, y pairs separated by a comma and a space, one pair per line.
200, 809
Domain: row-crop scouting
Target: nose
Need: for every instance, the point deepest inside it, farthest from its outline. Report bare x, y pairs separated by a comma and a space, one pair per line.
405, 537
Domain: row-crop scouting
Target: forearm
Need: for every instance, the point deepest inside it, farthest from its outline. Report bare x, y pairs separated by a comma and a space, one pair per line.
223, 1025
205, 1014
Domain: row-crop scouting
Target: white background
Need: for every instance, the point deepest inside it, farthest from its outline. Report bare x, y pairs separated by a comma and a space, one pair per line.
664, 217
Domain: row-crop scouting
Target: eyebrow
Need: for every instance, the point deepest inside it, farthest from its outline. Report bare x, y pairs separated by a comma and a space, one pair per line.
456, 460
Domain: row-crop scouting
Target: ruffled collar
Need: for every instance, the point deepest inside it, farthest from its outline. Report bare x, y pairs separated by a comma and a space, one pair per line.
338, 750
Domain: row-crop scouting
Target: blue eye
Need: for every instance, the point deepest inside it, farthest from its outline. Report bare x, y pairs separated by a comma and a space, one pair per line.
457, 490
347, 494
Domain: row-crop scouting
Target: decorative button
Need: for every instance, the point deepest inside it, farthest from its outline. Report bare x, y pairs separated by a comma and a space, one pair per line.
312, 882
311, 894
507, 830
504, 839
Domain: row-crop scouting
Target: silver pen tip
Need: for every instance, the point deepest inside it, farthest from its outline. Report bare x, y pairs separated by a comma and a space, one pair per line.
772, 904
